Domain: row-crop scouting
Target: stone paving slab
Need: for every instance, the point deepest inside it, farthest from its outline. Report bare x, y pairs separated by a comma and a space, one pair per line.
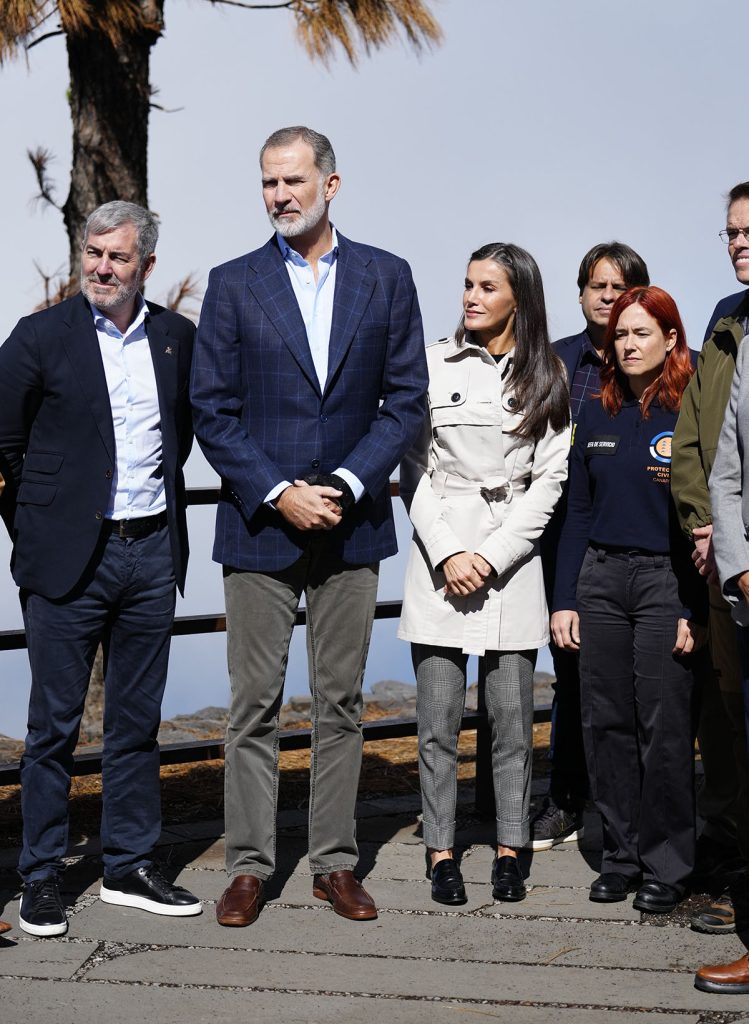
336, 975
41, 959
87, 1003
553, 957
566, 865
447, 935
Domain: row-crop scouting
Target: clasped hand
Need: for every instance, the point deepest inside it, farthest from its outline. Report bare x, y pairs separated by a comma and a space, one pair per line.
465, 573
310, 506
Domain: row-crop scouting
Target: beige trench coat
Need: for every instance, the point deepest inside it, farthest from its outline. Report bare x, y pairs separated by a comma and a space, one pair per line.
469, 485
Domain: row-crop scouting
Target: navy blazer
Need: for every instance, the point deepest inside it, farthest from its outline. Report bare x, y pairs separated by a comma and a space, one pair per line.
570, 351
261, 417
57, 449
726, 307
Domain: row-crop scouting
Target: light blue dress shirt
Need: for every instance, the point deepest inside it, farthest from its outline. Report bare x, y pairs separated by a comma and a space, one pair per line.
138, 483
315, 299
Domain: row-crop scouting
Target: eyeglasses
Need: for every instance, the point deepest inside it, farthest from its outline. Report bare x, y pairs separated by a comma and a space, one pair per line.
731, 234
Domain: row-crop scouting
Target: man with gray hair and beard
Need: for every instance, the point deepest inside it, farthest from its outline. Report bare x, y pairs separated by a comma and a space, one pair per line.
308, 388
94, 430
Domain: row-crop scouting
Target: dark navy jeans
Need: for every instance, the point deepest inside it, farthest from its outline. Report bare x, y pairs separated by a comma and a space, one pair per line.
126, 603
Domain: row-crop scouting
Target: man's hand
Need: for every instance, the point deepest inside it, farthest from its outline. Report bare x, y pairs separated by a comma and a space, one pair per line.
689, 637
565, 629
465, 573
310, 507
703, 555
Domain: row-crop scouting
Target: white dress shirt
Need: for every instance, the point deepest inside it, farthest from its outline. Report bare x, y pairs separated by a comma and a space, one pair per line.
315, 299
138, 483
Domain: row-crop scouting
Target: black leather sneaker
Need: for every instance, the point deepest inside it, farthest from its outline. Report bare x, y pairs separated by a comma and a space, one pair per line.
554, 825
42, 911
507, 880
447, 883
147, 889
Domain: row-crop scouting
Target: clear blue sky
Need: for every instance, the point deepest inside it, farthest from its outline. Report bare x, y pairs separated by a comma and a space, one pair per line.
552, 125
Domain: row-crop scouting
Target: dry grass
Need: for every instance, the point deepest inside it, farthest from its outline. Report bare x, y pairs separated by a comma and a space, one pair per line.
195, 792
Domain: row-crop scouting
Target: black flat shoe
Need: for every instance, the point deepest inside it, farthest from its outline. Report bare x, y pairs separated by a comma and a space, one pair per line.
656, 898
447, 883
507, 880
611, 887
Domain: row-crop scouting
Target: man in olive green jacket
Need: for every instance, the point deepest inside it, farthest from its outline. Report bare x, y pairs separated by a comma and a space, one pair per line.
722, 738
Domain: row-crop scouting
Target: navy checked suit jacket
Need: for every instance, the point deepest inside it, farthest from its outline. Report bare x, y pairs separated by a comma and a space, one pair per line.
569, 351
57, 450
260, 415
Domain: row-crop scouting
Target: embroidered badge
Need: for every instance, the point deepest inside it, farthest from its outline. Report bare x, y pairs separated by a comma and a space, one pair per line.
660, 446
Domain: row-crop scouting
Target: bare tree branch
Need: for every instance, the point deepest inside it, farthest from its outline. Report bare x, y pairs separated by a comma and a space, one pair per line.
40, 159
186, 290
256, 7
40, 39
56, 287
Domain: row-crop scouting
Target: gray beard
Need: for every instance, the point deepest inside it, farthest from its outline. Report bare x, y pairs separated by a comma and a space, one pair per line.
119, 297
304, 222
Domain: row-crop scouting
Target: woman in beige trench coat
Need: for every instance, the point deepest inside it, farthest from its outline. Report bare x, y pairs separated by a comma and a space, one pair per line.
480, 486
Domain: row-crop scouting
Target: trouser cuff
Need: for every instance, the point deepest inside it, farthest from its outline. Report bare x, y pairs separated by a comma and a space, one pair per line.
512, 833
439, 837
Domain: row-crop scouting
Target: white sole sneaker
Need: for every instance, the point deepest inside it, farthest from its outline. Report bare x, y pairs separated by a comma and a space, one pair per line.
123, 899
547, 844
43, 929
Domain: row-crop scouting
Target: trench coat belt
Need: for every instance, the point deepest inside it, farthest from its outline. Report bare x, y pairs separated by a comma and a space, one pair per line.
495, 488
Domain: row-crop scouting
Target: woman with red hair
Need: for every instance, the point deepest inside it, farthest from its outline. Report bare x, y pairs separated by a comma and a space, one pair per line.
628, 597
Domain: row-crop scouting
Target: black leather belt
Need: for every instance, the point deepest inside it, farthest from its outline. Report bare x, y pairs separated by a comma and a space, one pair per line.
136, 529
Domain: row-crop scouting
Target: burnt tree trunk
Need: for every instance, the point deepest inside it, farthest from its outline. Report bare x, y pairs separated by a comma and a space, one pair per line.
110, 95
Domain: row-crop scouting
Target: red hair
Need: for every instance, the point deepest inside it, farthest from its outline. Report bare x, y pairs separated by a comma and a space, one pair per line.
677, 368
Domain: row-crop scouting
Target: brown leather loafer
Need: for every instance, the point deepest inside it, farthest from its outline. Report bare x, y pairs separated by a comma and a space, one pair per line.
4, 927
241, 902
725, 978
346, 895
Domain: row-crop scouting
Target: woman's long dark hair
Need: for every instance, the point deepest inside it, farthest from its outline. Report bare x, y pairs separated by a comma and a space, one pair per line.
537, 377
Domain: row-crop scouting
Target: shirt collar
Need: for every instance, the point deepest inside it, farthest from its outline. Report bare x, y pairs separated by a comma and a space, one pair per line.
292, 256
103, 323
589, 350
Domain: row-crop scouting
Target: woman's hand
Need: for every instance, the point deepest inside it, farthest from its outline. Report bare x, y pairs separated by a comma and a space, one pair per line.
465, 573
565, 629
689, 637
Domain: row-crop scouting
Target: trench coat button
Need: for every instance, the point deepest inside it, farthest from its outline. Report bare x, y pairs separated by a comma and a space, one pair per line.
455, 396
511, 403
315, 463
98, 515
323, 418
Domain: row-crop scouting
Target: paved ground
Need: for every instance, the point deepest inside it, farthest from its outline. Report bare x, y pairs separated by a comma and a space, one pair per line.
556, 956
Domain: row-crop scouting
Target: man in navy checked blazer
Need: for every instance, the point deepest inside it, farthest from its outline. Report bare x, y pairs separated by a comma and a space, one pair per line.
309, 385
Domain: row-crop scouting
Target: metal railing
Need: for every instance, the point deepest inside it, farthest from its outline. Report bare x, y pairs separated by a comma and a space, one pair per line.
89, 762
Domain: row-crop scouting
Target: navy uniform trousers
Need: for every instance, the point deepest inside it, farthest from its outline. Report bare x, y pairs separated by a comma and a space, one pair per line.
636, 699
